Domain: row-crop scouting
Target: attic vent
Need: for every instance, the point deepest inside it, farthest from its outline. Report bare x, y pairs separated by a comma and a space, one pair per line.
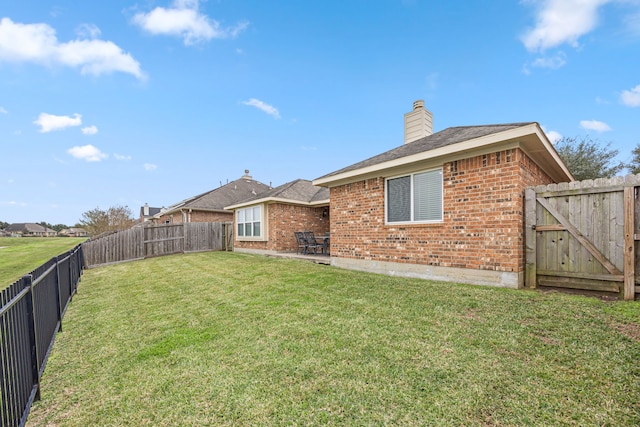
246, 175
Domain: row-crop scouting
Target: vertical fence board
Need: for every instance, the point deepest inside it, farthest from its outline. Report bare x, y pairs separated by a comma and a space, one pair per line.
530, 238
629, 244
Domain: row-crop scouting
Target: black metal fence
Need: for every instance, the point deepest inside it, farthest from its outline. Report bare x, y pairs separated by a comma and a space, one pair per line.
30, 316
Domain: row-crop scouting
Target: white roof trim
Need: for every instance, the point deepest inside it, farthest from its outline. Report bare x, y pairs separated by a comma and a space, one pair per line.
276, 200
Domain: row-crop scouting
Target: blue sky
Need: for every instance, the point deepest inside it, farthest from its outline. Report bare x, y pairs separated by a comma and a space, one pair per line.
122, 102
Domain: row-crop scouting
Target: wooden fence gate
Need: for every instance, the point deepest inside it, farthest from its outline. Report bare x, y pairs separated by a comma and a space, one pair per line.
584, 235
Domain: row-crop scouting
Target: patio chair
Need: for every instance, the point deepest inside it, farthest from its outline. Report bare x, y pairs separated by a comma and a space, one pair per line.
312, 243
302, 242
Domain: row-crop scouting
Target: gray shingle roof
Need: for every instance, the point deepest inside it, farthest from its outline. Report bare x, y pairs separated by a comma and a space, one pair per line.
299, 190
449, 136
29, 227
220, 197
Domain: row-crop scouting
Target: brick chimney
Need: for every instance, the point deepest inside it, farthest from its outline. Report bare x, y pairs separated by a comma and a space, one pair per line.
418, 123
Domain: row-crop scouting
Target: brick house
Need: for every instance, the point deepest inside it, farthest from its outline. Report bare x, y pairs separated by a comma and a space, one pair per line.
30, 229
74, 232
210, 206
147, 212
444, 206
265, 223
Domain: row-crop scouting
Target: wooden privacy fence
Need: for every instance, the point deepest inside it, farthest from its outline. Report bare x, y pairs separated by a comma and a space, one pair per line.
31, 312
584, 235
157, 240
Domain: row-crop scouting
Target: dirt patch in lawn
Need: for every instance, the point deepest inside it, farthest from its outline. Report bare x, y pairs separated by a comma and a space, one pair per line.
630, 330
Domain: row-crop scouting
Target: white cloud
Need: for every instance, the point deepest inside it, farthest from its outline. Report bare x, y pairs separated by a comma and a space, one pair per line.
269, 109
14, 203
632, 23
553, 62
595, 125
184, 19
90, 130
562, 21
3, 111
122, 157
631, 97
432, 81
88, 31
235, 31
50, 122
87, 153
150, 167
38, 43
552, 135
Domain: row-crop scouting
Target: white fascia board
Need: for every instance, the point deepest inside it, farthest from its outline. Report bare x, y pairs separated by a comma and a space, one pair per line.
472, 144
169, 210
277, 200
552, 152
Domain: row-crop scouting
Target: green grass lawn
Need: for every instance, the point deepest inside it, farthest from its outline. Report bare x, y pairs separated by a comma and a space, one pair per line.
234, 339
20, 255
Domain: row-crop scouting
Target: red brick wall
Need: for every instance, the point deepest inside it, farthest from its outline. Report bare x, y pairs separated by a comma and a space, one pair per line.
483, 220
283, 220
204, 216
196, 216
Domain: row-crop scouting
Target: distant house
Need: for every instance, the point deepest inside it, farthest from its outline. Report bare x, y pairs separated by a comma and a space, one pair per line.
74, 232
210, 206
28, 229
267, 221
147, 212
447, 205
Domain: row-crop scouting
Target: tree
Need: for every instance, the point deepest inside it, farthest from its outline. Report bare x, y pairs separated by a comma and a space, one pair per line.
3, 225
116, 218
634, 166
586, 159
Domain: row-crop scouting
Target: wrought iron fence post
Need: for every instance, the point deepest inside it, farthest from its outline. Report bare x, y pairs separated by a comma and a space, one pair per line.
35, 363
58, 296
72, 276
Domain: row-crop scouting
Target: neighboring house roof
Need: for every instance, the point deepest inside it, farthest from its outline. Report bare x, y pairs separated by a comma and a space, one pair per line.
147, 211
300, 191
216, 200
73, 230
29, 227
450, 143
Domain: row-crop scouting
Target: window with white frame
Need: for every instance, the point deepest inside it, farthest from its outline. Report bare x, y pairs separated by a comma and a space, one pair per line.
249, 221
415, 197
